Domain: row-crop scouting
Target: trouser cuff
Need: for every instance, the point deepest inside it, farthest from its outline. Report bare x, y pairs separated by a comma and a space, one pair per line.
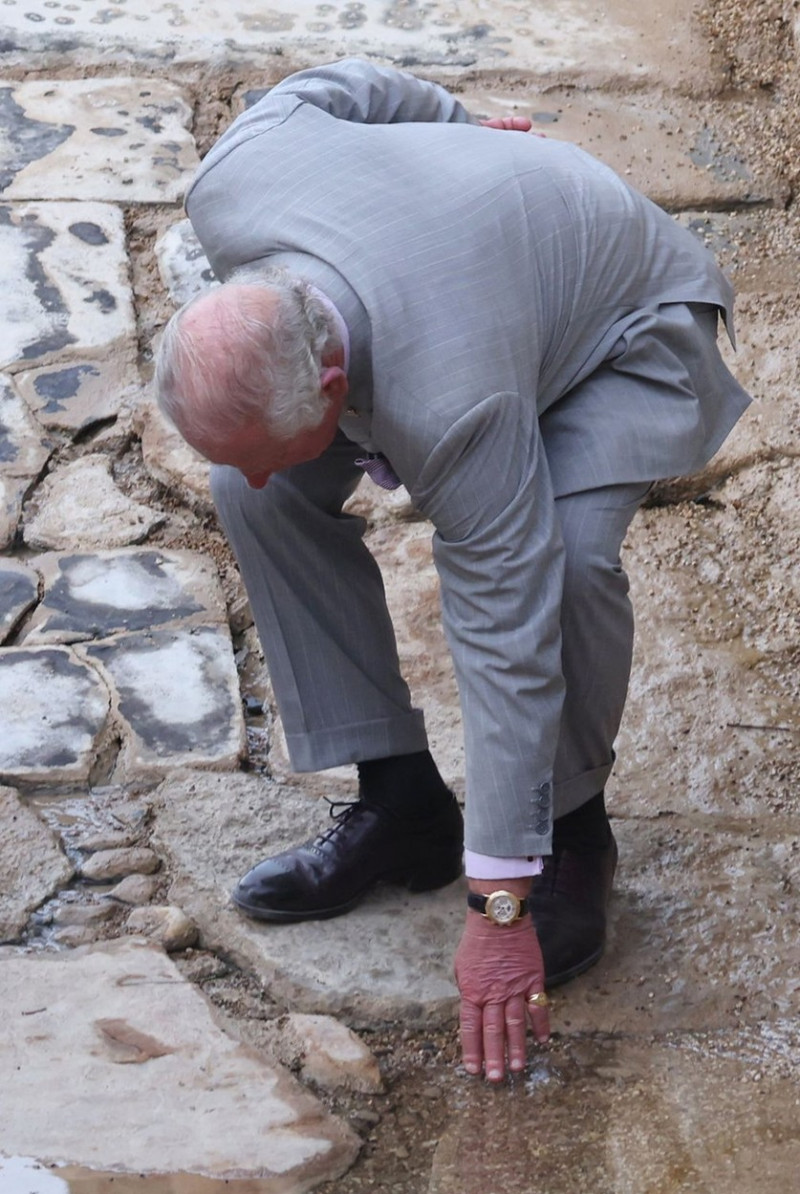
334, 747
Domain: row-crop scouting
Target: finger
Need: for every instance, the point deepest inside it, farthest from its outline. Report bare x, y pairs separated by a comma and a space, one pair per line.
516, 1029
540, 1022
471, 1020
494, 1041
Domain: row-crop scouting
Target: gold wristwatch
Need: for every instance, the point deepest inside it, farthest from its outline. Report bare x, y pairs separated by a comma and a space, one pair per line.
500, 907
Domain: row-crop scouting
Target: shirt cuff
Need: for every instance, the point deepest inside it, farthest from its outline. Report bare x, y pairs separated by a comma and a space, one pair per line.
487, 866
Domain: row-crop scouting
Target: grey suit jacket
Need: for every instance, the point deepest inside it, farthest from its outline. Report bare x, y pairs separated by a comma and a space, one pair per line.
486, 276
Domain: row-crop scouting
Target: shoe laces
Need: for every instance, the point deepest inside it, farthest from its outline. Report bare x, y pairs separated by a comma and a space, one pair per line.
341, 811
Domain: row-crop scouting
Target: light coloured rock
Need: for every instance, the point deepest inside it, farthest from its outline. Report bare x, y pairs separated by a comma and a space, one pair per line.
32, 864
97, 594
184, 267
169, 459
55, 711
71, 299
668, 148
390, 957
19, 592
168, 926
115, 864
73, 936
82, 914
327, 1053
134, 889
187, 1099
714, 1111
107, 840
177, 693
120, 139
80, 505
623, 42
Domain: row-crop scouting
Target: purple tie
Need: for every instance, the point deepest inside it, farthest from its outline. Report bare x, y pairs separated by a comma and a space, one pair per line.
379, 470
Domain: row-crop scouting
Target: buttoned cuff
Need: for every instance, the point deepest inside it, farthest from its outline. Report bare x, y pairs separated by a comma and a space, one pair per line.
487, 866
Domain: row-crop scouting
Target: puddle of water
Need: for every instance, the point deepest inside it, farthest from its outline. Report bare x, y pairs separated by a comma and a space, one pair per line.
25, 1175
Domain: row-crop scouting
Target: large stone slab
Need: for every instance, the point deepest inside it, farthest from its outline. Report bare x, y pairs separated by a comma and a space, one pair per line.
390, 957
79, 505
32, 863
182, 264
70, 300
54, 716
170, 460
670, 148
621, 1116
177, 695
19, 591
565, 39
713, 719
185, 1098
123, 140
704, 918
94, 595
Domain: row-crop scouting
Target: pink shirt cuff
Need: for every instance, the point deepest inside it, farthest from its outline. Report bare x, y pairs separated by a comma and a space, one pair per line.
486, 866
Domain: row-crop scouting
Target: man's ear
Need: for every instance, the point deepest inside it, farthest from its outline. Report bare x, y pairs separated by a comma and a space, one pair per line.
334, 384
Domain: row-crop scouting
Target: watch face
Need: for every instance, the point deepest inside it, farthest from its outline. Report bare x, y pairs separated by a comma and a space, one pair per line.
502, 907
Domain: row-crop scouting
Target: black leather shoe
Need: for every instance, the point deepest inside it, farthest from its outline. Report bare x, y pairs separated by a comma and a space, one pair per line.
365, 845
569, 902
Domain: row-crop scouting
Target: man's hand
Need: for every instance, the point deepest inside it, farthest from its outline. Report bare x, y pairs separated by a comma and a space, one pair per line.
497, 969
517, 124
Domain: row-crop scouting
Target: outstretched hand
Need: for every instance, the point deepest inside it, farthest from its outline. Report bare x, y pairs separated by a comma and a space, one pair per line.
497, 970
517, 124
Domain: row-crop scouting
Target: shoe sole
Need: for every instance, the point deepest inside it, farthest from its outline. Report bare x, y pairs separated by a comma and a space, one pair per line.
565, 976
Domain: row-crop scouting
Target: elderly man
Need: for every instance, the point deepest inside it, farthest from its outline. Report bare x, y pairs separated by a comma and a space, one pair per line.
506, 327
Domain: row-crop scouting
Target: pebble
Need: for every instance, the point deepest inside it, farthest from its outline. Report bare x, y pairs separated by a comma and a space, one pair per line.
74, 935
82, 914
115, 864
327, 1053
134, 889
165, 924
110, 839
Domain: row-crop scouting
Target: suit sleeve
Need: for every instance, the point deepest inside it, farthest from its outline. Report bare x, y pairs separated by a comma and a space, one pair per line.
362, 93
499, 554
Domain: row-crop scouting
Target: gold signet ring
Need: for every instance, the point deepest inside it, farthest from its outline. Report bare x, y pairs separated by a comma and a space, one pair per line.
538, 1000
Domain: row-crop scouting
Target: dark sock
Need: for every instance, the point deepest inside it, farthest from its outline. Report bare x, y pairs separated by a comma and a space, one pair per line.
585, 828
407, 785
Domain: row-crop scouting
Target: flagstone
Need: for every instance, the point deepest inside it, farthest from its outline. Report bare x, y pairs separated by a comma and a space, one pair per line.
177, 694
79, 505
703, 917
55, 710
155, 1086
23, 454
120, 139
182, 264
564, 39
19, 592
32, 864
71, 299
94, 595
169, 459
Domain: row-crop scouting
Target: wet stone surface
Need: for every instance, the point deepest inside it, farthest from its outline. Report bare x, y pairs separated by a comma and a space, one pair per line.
71, 300
97, 594
19, 591
107, 139
54, 714
178, 694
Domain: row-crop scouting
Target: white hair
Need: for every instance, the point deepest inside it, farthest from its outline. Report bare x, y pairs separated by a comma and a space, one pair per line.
266, 368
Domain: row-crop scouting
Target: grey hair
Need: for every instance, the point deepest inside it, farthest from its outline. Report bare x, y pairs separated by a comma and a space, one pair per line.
271, 365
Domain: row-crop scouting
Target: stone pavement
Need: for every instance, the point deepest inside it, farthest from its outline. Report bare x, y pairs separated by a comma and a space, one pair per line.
137, 783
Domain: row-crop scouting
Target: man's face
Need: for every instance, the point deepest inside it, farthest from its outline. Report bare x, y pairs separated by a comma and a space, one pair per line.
257, 454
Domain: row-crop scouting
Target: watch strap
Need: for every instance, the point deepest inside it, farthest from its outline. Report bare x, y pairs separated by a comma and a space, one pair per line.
478, 903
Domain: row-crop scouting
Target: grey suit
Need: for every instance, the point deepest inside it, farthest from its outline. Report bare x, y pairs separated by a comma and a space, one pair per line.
526, 330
